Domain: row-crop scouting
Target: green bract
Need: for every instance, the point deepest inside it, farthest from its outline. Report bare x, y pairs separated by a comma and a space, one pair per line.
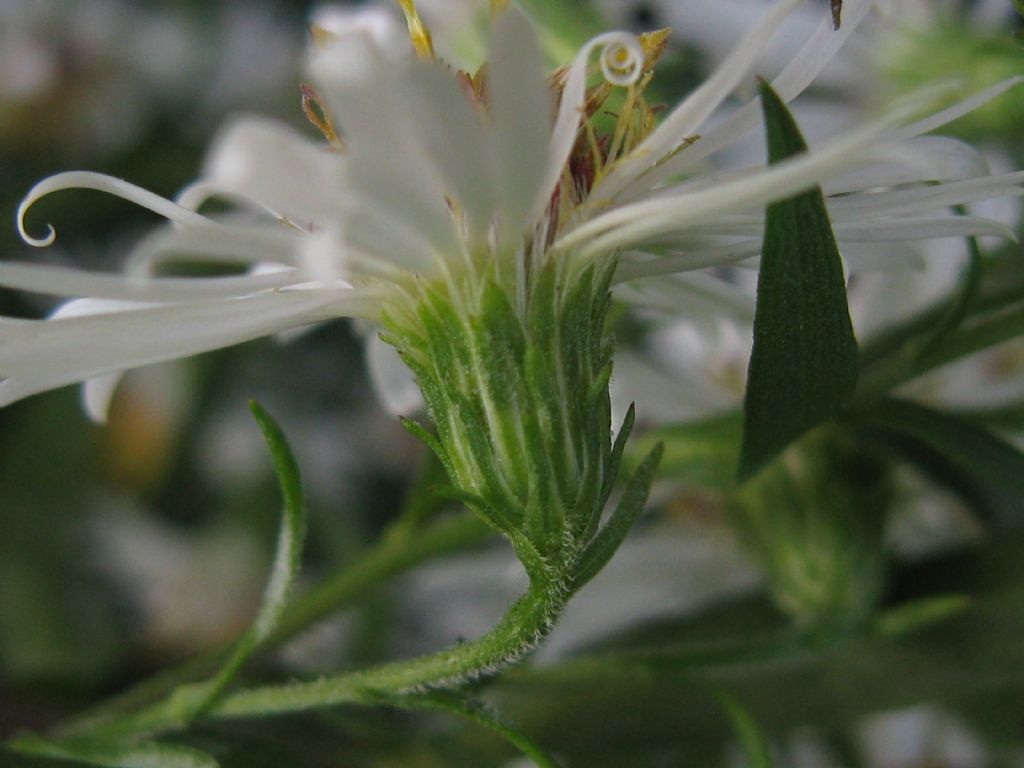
520, 398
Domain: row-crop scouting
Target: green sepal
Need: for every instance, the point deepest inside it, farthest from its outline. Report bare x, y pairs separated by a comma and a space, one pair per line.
803, 366
601, 548
614, 461
493, 517
422, 434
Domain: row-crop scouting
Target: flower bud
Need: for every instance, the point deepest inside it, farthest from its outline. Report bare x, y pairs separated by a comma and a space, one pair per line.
814, 520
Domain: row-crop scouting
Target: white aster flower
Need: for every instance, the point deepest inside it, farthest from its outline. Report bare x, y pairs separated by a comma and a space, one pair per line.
432, 176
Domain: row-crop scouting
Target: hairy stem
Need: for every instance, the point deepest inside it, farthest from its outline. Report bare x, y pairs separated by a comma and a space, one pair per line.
520, 630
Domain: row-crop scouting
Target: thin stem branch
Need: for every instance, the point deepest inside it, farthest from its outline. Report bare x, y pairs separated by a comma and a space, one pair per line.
397, 551
521, 629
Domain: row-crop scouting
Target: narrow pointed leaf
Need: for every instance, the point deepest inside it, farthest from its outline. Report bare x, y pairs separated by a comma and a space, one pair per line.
752, 740
974, 462
603, 545
192, 700
803, 367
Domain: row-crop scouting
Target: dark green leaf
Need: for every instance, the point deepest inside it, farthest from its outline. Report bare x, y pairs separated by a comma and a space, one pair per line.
603, 545
803, 367
978, 464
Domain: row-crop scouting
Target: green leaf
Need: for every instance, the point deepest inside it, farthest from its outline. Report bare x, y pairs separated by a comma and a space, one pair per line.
907, 618
601, 548
982, 467
803, 366
194, 699
145, 755
752, 740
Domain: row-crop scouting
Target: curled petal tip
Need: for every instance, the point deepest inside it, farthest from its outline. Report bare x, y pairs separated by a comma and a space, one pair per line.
38, 242
622, 59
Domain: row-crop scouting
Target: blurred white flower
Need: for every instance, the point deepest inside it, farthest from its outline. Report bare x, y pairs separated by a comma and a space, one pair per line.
91, 77
191, 593
434, 175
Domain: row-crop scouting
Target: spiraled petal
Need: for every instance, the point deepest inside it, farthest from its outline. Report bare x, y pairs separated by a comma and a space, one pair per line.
685, 120
101, 183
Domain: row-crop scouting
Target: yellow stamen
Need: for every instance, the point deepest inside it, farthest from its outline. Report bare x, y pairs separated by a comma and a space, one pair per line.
418, 32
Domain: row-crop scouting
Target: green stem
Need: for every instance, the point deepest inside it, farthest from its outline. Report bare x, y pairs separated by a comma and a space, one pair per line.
520, 630
398, 550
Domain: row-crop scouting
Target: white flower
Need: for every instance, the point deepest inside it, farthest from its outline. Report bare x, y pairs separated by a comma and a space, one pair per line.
430, 174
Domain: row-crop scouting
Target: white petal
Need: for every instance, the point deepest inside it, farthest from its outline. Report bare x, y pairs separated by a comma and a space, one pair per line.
97, 394
101, 183
925, 158
521, 106
697, 292
375, 24
47, 354
65, 281
393, 382
216, 243
385, 166
920, 228
452, 137
926, 198
790, 83
685, 120
638, 222
687, 261
272, 164
959, 109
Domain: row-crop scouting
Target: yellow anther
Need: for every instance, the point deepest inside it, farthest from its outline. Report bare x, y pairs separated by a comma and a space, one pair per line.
654, 44
318, 115
418, 32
